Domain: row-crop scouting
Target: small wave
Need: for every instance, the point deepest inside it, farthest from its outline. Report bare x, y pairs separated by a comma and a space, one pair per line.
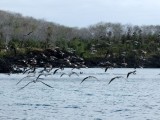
28, 104
89, 94
127, 95
98, 119
76, 90
72, 106
120, 110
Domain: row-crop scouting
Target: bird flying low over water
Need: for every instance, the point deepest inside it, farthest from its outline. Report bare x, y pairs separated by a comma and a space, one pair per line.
56, 70
117, 77
132, 72
63, 74
34, 81
88, 77
106, 69
69, 74
24, 78
73, 73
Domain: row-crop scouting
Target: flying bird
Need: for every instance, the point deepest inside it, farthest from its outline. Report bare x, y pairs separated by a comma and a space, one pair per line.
132, 72
106, 69
117, 77
73, 73
63, 74
28, 33
69, 74
87, 78
55, 71
38, 77
24, 78
34, 81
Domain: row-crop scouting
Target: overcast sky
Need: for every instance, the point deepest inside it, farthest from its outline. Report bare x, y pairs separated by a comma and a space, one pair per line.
82, 13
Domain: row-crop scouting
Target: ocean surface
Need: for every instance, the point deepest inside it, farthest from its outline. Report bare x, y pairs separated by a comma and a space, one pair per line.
135, 98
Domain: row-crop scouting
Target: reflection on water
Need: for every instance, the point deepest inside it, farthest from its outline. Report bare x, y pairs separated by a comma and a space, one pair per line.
136, 98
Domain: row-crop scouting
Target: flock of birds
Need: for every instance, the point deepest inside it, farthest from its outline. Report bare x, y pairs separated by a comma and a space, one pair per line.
31, 72
46, 71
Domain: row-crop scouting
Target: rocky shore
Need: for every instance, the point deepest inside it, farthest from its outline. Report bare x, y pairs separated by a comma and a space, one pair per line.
53, 58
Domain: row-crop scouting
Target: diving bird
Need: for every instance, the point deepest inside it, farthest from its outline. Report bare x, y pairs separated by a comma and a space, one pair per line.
117, 77
132, 72
87, 78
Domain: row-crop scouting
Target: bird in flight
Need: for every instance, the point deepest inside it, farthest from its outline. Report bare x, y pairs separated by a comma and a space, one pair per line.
34, 81
117, 77
28, 33
132, 72
87, 78
24, 78
56, 70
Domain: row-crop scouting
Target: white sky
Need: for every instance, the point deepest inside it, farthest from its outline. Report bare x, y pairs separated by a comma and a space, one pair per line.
82, 13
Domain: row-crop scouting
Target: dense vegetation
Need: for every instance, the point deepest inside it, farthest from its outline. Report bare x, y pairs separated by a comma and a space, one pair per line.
113, 42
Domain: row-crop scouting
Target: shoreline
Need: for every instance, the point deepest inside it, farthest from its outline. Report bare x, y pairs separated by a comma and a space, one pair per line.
52, 58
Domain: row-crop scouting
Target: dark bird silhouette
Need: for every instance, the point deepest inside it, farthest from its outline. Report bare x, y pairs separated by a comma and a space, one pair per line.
39, 76
117, 77
87, 78
63, 74
55, 71
73, 73
106, 69
28, 33
26, 70
33, 70
132, 72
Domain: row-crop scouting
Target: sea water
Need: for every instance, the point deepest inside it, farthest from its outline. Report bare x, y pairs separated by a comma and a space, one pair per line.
135, 98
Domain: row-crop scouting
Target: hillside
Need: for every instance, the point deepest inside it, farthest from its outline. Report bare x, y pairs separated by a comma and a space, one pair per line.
102, 44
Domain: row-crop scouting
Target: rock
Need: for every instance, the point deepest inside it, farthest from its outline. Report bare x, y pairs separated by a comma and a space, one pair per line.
5, 66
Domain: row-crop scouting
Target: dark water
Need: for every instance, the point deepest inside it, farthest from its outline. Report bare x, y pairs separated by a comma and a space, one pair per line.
135, 98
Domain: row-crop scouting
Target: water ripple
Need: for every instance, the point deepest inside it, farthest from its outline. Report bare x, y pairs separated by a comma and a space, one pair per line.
72, 106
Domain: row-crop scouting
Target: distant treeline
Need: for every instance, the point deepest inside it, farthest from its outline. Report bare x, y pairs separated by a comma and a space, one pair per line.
102, 40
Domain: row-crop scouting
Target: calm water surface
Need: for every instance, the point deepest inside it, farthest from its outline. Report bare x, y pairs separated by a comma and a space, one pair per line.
135, 98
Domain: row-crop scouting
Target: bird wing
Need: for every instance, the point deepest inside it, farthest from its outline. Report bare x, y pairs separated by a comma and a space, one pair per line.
111, 80
73, 73
133, 72
39, 76
115, 78
22, 79
46, 84
55, 70
128, 74
87, 78
106, 69
26, 70
25, 85
63, 74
